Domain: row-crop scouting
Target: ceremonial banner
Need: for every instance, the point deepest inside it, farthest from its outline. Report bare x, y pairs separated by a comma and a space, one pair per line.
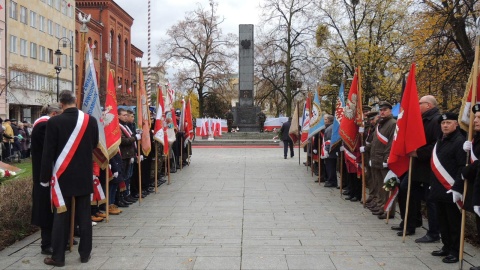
305, 122
204, 127
466, 107
158, 132
143, 116
181, 122
317, 123
352, 114
113, 135
293, 131
409, 133
340, 104
91, 106
170, 98
189, 132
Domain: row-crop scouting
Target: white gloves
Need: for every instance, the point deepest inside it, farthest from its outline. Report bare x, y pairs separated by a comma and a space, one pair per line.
362, 149
139, 131
315, 151
467, 146
45, 184
110, 166
138, 136
457, 196
94, 177
115, 174
385, 165
132, 160
342, 148
476, 208
370, 163
391, 175
141, 157
361, 129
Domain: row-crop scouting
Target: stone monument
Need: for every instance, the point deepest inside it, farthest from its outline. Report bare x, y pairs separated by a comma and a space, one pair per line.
245, 112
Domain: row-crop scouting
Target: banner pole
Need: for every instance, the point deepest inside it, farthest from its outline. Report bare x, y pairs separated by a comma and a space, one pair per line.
107, 195
156, 167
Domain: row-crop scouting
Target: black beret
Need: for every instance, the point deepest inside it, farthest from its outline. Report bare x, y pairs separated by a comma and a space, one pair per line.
476, 108
371, 115
366, 108
448, 116
385, 104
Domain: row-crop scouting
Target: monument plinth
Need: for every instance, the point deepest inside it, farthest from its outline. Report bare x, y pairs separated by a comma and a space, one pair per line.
245, 112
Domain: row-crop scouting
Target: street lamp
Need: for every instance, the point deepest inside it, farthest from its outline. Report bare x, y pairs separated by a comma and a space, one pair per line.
59, 53
58, 68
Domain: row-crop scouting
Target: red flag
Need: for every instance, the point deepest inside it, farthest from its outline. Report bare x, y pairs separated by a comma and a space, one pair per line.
158, 129
305, 123
113, 135
465, 109
352, 114
188, 122
143, 116
174, 119
407, 138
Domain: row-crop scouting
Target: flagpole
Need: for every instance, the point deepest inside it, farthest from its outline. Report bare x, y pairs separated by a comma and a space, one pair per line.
107, 195
299, 139
319, 159
405, 219
364, 192
470, 134
181, 151
156, 167
341, 173
168, 166
388, 212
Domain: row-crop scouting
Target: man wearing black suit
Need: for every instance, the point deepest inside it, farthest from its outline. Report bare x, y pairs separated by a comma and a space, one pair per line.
75, 181
287, 141
41, 205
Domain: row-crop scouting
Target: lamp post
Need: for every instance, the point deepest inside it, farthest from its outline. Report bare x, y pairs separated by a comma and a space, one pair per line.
59, 53
58, 68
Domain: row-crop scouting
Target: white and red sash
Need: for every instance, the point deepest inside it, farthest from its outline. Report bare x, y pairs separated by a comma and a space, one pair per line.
41, 119
381, 138
126, 130
64, 159
323, 152
350, 157
391, 199
98, 196
442, 175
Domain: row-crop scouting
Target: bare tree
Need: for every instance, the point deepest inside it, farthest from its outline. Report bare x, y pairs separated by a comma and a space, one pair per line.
198, 51
284, 53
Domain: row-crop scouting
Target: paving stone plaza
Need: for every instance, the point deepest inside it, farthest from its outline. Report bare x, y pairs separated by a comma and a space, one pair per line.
236, 208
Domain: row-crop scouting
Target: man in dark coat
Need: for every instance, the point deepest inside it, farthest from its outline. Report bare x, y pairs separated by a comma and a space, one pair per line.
73, 179
448, 160
261, 117
421, 172
229, 117
41, 206
287, 141
330, 154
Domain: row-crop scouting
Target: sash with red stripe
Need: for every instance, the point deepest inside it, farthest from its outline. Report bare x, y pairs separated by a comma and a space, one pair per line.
98, 196
442, 175
391, 199
127, 133
41, 119
64, 159
381, 138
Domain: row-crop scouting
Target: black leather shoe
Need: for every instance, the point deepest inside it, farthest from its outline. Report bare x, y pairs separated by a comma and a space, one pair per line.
427, 239
475, 268
384, 216
450, 259
408, 232
346, 192
285, 157
50, 261
47, 251
85, 260
440, 252
329, 185
348, 198
121, 204
398, 227
130, 199
136, 196
354, 199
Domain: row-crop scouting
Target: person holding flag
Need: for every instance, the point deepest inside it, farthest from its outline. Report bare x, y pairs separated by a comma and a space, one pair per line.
379, 151
448, 160
329, 153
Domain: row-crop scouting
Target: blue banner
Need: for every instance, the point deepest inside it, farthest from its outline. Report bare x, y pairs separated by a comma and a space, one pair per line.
317, 123
338, 114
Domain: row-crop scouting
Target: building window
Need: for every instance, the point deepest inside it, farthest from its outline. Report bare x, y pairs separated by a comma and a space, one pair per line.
13, 44
50, 27
69, 11
64, 32
110, 44
23, 15
57, 30
41, 55
57, 4
13, 10
50, 56
41, 23
50, 2
119, 41
64, 60
33, 19
33, 50
23, 47
64, 7
125, 53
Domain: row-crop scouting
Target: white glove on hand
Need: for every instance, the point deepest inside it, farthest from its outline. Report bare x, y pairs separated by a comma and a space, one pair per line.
132, 160
467, 146
45, 184
94, 177
110, 166
370, 163
315, 151
141, 157
362, 149
342, 148
115, 174
457, 196
476, 208
361, 129
139, 131
385, 165
390, 175
138, 136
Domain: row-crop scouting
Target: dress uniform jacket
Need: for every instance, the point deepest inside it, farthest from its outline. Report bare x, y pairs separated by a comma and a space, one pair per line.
378, 151
76, 180
452, 157
42, 215
127, 144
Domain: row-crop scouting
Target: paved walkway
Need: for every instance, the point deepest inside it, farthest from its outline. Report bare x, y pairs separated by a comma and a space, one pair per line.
243, 209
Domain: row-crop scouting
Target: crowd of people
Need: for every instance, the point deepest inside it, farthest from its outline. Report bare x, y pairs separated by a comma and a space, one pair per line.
437, 173
65, 137
15, 139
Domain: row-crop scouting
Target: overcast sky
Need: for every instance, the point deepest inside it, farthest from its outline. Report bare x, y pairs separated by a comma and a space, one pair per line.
166, 13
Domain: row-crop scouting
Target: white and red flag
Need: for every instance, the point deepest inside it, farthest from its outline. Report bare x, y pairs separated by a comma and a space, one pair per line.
143, 116
189, 132
305, 123
409, 132
158, 132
